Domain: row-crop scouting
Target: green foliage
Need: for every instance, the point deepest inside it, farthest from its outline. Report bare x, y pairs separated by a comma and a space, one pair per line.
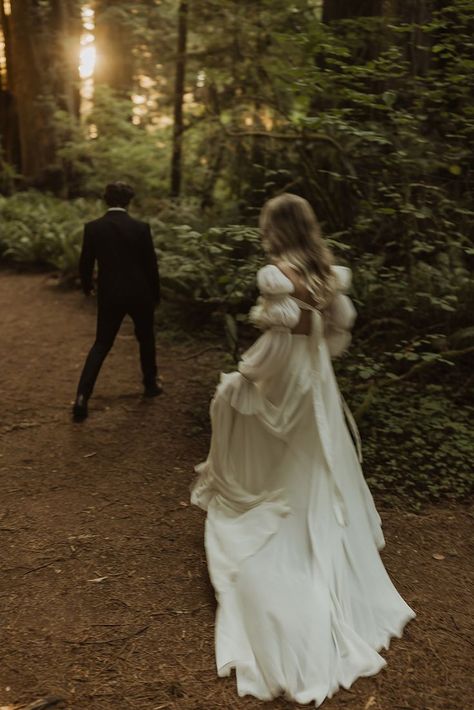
42, 230
418, 445
214, 270
429, 296
8, 175
209, 276
110, 147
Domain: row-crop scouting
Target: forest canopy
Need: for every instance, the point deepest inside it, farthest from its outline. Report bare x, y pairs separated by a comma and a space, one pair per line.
209, 107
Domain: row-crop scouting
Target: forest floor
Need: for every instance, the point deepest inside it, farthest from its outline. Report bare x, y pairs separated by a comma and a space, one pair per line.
105, 600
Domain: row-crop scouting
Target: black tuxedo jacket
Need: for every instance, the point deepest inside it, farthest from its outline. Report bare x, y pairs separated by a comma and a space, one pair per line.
123, 249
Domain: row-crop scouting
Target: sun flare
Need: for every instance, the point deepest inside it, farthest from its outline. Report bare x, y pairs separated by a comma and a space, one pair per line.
87, 55
87, 59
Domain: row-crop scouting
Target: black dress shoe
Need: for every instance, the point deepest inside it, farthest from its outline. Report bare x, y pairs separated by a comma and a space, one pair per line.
79, 410
153, 390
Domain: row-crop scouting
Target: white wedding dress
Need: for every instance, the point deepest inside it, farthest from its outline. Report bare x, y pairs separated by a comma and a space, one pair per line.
292, 533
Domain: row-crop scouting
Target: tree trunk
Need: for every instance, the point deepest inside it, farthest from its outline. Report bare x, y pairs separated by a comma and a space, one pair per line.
28, 66
42, 50
215, 161
418, 43
336, 10
346, 9
66, 23
178, 126
9, 135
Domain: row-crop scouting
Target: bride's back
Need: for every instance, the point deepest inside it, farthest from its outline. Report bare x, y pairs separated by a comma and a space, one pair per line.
301, 293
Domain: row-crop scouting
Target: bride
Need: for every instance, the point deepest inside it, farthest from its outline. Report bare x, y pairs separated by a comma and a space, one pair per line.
292, 534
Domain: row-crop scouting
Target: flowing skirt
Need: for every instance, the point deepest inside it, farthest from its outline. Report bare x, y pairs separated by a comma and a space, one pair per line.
292, 538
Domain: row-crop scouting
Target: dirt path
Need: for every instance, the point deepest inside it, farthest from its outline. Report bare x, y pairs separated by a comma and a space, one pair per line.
104, 594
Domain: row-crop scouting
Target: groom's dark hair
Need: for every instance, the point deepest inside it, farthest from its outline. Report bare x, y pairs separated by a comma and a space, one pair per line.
118, 194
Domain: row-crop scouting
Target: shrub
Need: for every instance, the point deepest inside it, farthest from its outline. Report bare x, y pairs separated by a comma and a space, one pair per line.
42, 230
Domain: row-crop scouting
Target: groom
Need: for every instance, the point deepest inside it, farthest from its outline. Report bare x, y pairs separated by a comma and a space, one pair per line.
128, 283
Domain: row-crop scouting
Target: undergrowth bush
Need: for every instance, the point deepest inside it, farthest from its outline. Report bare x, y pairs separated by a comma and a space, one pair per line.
209, 276
41, 230
418, 444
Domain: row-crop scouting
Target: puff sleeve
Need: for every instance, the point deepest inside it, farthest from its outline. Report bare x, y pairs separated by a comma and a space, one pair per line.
340, 314
275, 313
275, 308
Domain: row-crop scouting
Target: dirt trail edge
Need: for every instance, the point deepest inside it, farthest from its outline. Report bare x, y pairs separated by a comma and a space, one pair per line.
105, 600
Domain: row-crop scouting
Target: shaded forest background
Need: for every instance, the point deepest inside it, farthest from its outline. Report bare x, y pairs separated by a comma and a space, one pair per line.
209, 107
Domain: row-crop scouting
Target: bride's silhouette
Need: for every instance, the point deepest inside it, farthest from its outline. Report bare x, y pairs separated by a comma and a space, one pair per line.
292, 533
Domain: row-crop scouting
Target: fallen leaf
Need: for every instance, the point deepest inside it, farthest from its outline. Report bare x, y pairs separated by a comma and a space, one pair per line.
88, 456
97, 579
437, 556
370, 702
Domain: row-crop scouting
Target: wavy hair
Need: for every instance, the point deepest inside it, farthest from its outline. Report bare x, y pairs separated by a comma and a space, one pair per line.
291, 234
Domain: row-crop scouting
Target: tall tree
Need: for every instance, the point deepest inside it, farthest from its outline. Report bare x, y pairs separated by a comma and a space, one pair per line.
418, 45
42, 43
8, 116
66, 26
178, 122
29, 63
413, 12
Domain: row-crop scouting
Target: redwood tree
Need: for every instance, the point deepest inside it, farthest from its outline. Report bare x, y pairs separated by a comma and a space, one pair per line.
42, 49
8, 116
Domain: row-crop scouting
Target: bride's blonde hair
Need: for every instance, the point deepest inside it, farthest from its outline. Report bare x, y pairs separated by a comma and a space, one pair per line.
291, 234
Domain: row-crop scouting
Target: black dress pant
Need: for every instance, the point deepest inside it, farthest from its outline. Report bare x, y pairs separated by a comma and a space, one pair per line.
109, 320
